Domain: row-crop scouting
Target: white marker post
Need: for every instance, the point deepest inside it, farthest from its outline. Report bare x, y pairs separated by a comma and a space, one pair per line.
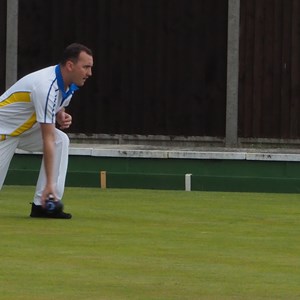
188, 182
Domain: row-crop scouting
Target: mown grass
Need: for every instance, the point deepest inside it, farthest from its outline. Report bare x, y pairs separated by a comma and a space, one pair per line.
146, 244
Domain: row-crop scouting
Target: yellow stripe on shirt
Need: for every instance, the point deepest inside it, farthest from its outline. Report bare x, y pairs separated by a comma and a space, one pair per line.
16, 97
27, 125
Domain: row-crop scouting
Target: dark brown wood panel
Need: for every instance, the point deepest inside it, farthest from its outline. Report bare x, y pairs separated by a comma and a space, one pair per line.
269, 91
160, 65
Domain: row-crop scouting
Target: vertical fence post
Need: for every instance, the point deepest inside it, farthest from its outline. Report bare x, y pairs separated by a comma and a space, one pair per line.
12, 15
231, 138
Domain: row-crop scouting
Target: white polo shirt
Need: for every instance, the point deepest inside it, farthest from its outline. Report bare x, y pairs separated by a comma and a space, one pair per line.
36, 97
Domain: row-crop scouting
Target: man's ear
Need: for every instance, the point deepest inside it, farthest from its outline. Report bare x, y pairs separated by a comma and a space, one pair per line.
69, 65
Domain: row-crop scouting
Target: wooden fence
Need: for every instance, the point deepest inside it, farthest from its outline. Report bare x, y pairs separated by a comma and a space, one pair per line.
160, 65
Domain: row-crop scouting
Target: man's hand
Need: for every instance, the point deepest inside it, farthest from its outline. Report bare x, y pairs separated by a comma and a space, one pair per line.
63, 119
49, 189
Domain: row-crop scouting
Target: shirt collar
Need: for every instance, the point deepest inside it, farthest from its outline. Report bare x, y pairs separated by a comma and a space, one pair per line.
72, 88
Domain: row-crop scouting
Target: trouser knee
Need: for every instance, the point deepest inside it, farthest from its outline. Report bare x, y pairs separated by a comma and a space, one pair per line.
62, 138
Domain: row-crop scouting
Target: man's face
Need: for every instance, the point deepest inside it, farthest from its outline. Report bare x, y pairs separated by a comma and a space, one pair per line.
82, 69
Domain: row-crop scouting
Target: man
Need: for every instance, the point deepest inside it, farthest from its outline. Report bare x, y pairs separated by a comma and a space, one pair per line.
29, 111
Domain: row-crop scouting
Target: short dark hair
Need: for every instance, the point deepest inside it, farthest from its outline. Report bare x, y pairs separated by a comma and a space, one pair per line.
72, 53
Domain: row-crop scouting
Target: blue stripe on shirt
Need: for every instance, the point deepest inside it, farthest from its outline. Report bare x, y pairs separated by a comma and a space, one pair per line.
46, 106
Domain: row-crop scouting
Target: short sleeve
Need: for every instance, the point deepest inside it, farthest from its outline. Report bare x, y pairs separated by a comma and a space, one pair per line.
45, 101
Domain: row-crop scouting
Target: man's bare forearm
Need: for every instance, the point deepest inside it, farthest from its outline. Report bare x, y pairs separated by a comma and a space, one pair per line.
48, 134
